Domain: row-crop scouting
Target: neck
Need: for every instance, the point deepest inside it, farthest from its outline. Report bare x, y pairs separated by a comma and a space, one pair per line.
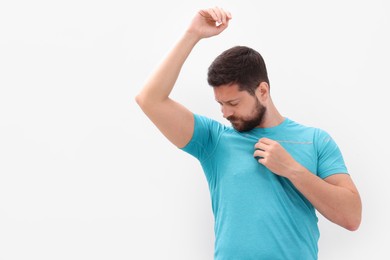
272, 117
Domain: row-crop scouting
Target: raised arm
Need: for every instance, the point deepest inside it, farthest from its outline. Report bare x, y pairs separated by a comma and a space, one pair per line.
172, 119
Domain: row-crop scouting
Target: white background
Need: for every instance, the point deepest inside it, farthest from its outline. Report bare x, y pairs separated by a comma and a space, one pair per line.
85, 175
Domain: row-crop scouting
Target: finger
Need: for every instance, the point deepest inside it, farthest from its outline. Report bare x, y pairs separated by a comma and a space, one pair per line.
222, 26
213, 13
219, 14
261, 146
206, 15
262, 161
223, 15
266, 140
259, 154
229, 15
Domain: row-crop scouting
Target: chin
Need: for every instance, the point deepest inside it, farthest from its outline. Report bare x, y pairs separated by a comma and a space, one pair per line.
240, 129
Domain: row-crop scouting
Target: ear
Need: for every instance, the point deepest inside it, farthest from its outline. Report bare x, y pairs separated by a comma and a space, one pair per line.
262, 91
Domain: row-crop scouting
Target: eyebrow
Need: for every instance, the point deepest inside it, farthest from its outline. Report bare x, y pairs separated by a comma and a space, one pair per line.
228, 101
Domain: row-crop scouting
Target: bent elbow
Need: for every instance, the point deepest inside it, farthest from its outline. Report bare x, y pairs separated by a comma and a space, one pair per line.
352, 227
140, 100
353, 224
355, 217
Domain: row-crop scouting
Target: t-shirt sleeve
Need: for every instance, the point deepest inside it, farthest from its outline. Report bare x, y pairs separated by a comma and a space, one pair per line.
330, 159
205, 137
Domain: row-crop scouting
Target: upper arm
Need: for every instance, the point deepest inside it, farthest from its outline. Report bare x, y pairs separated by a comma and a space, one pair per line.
342, 180
330, 159
174, 120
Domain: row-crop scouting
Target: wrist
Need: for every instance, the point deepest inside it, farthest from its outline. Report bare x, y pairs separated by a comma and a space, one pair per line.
192, 36
296, 173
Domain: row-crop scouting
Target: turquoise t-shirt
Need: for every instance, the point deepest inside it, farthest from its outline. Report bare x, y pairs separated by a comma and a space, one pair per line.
258, 214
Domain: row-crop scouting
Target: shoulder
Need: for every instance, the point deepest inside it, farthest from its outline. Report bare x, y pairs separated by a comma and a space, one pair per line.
315, 131
206, 135
318, 136
202, 122
306, 131
322, 139
207, 130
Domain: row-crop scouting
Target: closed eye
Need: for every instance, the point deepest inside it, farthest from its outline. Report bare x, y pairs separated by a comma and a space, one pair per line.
229, 103
233, 104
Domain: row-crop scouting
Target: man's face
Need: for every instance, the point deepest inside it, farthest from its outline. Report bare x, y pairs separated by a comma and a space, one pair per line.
243, 110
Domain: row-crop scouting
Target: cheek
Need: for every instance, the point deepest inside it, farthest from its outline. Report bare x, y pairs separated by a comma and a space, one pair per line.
245, 112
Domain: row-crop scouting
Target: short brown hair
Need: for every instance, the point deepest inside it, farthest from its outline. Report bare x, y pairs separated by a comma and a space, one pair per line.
238, 65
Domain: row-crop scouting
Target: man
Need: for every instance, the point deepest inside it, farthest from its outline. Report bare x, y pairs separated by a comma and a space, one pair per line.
266, 173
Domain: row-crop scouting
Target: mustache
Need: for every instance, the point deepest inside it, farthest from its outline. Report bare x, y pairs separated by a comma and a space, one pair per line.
232, 118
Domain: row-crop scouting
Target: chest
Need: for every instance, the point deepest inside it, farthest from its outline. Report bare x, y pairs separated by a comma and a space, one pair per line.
235, 153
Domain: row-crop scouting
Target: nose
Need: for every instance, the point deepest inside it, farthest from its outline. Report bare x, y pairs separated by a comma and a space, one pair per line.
226, 111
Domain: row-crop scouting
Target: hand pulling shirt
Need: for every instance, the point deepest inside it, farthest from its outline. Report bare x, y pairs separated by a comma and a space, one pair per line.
258, 214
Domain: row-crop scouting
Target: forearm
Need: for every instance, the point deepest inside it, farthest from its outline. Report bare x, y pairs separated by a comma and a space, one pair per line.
160, 84
335, 197
339, 204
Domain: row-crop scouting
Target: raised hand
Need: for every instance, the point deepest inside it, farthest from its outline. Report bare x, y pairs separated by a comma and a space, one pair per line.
209, 22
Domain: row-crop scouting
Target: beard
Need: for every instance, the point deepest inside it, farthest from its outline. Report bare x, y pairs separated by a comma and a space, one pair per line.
244, 124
